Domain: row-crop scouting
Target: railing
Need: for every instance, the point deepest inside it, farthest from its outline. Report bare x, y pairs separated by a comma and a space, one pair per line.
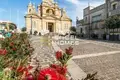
114, 12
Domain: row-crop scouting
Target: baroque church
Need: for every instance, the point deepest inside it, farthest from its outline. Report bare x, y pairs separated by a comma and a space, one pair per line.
48, 18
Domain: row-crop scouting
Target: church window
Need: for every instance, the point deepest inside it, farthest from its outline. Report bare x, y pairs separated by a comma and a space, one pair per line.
47, 11
50, 11
114, 6
29, 10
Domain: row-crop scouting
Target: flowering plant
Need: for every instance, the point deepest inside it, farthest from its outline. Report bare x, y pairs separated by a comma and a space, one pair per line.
57, 72
64, 57
15, 52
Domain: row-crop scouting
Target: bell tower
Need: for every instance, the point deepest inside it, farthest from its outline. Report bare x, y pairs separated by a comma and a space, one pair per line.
31, 9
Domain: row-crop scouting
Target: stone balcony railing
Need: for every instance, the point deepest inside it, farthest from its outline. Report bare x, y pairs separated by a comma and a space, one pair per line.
114, 12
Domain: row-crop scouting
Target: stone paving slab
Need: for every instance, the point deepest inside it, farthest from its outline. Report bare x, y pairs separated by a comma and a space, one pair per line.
94, 55
108, 67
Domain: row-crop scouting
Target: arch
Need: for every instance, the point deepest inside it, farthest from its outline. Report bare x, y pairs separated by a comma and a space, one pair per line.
29, 10
50, 11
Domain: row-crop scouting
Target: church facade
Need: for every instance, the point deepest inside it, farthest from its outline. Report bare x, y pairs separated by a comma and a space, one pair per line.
48, 18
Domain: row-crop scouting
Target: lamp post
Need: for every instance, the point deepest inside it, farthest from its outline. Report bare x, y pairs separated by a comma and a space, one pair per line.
31, 25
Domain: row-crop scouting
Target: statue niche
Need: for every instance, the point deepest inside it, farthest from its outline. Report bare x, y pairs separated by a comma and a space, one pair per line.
50, 12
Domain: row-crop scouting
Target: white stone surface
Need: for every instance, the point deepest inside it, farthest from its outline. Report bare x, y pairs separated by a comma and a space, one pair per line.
75, 71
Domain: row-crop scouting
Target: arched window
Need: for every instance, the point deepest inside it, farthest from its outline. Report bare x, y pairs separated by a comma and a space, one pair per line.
29, 10
47, 11
50, 11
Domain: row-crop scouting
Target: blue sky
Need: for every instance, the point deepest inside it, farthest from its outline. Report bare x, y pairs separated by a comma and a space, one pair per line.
14, 10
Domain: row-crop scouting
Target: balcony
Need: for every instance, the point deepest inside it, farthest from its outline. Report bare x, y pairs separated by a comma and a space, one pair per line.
114, 12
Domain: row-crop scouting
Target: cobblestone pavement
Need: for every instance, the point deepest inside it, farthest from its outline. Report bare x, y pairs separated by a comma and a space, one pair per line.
107, 66
104, 43
88, 48
43, 53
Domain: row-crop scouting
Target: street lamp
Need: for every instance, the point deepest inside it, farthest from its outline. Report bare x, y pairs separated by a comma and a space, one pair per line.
31, 25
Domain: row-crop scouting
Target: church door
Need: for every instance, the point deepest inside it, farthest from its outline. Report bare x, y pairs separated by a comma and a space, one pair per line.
50, 27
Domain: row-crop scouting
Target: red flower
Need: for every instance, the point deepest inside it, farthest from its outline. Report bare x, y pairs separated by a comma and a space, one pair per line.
69, 51
58, 54
14, 49
30, 67
25, 70
11, 44
61, 77
53, 66
60, 69
48, 74
29, 77
21, 69
2, 39
3, 51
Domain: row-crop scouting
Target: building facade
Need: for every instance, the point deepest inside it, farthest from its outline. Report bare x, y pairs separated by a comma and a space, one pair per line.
94, 18
80, 28
48, 18
7, 26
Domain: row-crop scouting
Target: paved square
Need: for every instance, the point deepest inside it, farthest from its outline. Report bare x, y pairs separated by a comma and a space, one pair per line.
95, 56
88, 48
108, 67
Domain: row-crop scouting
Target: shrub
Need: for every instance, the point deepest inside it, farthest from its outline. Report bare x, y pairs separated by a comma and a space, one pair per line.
15, 52
35, 32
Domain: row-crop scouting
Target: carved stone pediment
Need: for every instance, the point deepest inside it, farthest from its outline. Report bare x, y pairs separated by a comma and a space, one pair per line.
32, 15
50, 17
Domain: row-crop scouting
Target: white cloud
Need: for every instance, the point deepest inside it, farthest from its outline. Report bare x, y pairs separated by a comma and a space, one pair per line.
74, 1
81, 4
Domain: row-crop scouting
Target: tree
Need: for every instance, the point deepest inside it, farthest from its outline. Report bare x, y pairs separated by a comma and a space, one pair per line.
112, 22
12, 27
23, 29
73, 29
35, 32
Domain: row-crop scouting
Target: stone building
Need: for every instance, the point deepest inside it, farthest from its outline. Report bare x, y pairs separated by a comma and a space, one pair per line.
7, 26
94, 18
48, 18
80, 28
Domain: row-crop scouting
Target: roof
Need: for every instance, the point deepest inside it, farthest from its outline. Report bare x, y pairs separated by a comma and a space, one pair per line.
100, 7
4, 22
1, 21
